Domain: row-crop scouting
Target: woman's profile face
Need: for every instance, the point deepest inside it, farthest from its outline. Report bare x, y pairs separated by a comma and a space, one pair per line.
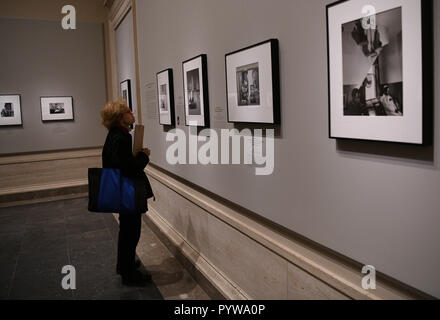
128, 118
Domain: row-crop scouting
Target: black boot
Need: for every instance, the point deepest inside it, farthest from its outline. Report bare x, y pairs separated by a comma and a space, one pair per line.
135, 279
137, 265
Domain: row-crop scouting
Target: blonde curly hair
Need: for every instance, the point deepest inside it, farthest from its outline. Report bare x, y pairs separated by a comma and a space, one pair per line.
112, 113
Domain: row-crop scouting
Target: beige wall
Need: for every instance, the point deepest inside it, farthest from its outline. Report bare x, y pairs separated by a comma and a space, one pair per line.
49, 61
125, 56
86, 10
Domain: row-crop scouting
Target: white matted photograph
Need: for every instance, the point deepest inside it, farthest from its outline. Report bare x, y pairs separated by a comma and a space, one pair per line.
378, 84
252, 82
165, 97
195, 88
10, 110
56, 108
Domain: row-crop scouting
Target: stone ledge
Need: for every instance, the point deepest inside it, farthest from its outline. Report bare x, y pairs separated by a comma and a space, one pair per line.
48, 156
34, 192
336, 273
42, 200
208, 277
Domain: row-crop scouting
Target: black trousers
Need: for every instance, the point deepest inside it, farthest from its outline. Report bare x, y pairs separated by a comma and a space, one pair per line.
129, 234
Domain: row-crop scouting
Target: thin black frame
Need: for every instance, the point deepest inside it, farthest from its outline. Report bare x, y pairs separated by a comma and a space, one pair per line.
274, 43
427, 76
21, 112
204, 59
171, 89
130, 102
41, 109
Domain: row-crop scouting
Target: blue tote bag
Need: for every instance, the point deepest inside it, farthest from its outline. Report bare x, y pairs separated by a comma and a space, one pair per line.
112, 192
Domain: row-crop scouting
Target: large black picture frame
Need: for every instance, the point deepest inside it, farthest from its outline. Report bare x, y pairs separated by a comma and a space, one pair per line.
196, 92
165, 77
413, 123
263, 60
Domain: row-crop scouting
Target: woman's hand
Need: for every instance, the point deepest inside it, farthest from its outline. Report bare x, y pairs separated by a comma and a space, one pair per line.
146, 151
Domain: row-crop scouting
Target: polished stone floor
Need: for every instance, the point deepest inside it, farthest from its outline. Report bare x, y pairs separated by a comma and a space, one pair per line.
38, 240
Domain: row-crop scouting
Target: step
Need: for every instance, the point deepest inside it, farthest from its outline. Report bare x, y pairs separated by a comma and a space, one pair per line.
37, 193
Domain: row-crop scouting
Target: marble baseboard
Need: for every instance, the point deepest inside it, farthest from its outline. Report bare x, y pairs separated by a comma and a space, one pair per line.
243, 258
214, 284
225, 262
50, 156
46, 176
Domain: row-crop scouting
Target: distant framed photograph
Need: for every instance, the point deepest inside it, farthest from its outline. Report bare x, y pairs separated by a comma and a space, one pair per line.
56, 108
10, 110
165, 97
195, 88
380, 70
126, 93
253, 85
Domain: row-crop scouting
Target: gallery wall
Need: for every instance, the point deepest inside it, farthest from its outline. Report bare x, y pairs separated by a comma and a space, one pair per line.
376, 203
125, 55
42, 59
86, 10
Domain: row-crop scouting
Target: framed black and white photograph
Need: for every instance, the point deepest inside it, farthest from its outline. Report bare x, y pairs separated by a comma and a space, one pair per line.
10, 110
253, 85
195, 88
126, 93
165, 97
380, 70
56, 108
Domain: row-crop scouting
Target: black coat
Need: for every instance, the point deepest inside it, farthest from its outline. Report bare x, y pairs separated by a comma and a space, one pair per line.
117, 154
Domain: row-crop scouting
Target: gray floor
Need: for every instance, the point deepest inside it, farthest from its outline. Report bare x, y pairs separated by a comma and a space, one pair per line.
37, 240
